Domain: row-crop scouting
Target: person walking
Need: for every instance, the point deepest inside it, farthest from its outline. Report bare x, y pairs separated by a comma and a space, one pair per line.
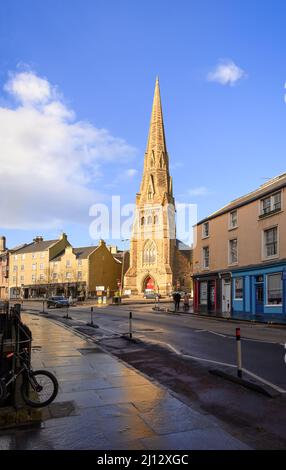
177, 300
186, 302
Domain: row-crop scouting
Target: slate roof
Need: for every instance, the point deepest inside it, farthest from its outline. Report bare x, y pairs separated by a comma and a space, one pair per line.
35, 246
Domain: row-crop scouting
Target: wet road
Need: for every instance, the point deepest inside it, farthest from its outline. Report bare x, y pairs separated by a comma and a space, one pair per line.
262, 346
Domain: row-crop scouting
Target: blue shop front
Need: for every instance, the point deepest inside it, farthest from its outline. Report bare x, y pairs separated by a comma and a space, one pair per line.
259, 292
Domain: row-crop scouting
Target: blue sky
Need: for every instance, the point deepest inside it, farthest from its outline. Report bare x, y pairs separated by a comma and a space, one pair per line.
98, 61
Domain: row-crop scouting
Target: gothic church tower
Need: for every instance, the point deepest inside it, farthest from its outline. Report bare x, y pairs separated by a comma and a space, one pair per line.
153, 243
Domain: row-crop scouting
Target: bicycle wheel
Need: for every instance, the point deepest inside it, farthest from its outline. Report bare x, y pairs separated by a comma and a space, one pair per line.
39, 388
3, 390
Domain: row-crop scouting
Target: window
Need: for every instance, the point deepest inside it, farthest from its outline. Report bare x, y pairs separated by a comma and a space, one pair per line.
55, 264
79, 275
42, 277
270, 243
34, 255
206, 231
41, 266
270, 204
33, 277
203, 293
23, 257
34, 267
274, 289
55, 275
42, 255
149, 253
15, 268
21, 278
156, 219
14, 278
238, 288
150, 195
79, 262
142, 221
68, 263
68, 275
15, 257
233, 219
206, 257
149, 220
232, 251
22, 267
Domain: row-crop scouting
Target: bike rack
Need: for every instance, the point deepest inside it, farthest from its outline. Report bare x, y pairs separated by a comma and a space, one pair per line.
15, 336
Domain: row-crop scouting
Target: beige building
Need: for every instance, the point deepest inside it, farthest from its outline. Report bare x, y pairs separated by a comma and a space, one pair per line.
240, 254
157, 262
53, 267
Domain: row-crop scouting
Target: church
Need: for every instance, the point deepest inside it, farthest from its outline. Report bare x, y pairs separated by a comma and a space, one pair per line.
158, 261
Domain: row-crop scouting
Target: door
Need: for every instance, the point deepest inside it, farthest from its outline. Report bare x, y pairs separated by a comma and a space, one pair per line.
259, 298
212, 294
226, 297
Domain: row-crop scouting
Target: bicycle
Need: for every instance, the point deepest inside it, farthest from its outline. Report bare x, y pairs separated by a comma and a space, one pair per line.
39, 388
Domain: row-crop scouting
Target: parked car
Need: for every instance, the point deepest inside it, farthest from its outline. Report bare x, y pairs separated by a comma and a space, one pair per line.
151, 295
57, 302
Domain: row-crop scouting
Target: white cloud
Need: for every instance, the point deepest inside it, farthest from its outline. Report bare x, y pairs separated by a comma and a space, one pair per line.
29, 88
199, 191
226, 73
48, 160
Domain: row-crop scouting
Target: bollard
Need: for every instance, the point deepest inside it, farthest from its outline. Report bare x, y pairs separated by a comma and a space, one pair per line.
130, 325
238, 346
91, 318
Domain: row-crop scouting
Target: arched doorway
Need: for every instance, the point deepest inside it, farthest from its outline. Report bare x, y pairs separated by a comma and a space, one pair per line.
149, 284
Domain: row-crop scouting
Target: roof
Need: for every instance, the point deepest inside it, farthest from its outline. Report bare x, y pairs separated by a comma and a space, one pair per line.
35, 246
182, 246
274, 184
84, 252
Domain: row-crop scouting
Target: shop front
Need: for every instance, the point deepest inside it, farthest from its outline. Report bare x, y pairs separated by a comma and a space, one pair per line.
260, 292
206, 294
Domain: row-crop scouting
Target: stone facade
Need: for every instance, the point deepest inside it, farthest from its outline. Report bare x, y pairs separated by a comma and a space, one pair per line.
156, 262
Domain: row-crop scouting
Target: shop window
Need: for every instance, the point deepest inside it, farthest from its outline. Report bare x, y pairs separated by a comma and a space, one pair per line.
274, 289
238, 288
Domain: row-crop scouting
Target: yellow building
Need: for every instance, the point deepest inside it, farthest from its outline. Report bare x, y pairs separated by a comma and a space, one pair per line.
54, 267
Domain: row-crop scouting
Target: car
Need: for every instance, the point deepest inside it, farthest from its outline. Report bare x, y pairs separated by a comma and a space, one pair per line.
57, 301
151, 295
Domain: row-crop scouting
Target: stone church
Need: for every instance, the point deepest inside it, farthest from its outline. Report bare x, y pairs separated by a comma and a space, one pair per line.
158, 261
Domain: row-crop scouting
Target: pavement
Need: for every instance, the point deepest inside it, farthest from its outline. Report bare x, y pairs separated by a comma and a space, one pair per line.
104, 403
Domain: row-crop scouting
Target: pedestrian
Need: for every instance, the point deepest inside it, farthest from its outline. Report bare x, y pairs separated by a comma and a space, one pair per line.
186, 302
177, 299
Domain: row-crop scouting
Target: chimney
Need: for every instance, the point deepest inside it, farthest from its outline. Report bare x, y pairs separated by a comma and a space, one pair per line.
2, 244
38, 239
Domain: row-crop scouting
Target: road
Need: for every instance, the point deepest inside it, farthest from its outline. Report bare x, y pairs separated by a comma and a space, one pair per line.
203, 338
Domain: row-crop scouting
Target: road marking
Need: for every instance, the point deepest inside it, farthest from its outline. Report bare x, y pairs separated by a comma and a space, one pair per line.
179, 353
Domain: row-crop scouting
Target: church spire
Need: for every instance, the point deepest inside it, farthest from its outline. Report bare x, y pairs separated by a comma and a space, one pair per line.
156, 138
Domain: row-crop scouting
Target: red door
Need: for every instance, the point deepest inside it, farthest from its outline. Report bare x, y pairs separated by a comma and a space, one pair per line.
149, 283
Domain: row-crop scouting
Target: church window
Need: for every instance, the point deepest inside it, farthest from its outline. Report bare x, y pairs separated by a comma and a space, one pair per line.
156, 219
149, 220
142, 220
150, 194
149, 253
